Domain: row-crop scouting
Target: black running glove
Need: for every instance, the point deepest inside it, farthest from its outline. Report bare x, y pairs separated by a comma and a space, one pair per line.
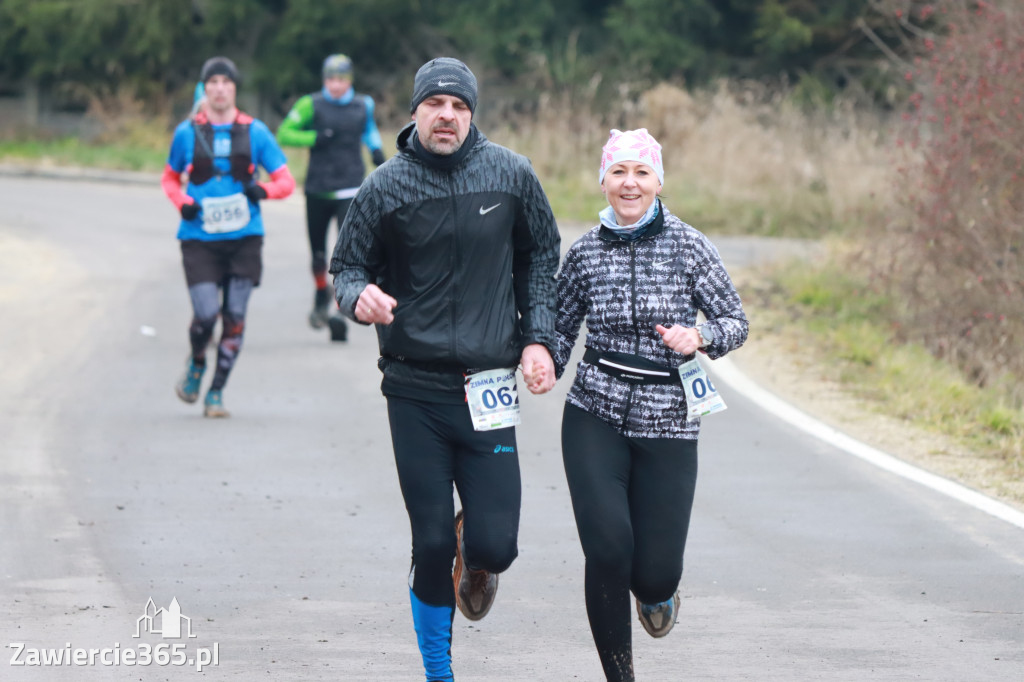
189, 211
255, 193
378, 156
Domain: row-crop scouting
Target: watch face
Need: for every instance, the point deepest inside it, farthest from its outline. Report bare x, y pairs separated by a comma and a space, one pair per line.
706, 335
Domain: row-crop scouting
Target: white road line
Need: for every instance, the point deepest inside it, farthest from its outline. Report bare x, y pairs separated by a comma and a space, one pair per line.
728, 372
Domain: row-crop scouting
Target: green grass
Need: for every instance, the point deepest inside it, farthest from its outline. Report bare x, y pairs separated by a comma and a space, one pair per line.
70, 151
149, 157
576, 198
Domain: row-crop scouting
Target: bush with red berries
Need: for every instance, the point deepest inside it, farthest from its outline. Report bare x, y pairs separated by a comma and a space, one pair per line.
953, 252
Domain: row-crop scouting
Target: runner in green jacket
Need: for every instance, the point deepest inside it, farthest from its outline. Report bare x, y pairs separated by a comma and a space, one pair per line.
333, 123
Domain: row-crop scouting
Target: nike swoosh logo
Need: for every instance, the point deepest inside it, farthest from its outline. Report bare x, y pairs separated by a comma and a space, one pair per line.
662, 262
485, 211
442, 84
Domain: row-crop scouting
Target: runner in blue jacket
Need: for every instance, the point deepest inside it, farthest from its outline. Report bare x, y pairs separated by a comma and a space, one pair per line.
221, 228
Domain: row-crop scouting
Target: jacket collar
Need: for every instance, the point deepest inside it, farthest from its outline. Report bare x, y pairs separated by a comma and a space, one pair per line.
656, 227
409, 145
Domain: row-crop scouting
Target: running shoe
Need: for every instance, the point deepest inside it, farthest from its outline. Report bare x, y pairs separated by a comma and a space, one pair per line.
214, 405
658, 619
187, 387
339, 328
474, 589
318, 316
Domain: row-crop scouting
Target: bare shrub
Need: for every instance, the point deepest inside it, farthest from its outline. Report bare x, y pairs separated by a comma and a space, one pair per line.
127, 120
953, 252
752, 144
736, 144
562, 135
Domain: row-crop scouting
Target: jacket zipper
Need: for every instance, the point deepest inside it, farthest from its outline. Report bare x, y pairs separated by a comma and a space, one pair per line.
636, 327
632, 293
452, 316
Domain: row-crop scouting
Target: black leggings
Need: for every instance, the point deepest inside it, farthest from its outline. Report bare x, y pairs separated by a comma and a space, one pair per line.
319, 211
436, 447
632, 499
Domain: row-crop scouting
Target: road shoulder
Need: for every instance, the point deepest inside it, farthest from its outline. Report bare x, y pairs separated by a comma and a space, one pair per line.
802, 376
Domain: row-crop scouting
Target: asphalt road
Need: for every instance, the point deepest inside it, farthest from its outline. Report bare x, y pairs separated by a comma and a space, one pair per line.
281, 531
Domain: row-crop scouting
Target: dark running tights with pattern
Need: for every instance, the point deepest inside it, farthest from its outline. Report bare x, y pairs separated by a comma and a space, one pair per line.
632, 499
436, 448
206, 305
319, 212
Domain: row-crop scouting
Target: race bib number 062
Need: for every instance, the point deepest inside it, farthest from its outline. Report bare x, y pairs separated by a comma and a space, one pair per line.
702, 397
493, 399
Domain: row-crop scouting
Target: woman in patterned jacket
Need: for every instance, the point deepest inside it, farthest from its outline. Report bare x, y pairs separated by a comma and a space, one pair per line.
629, 447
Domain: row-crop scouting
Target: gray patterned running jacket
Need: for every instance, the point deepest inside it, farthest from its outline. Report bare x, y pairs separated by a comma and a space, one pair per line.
622, 289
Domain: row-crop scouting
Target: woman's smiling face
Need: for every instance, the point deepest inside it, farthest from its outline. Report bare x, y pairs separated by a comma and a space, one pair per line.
630, 187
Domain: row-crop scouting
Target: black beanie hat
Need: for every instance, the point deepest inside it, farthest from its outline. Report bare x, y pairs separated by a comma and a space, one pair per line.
219, 66
444, 76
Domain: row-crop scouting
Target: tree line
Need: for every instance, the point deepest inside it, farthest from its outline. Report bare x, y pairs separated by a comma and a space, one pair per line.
154, 48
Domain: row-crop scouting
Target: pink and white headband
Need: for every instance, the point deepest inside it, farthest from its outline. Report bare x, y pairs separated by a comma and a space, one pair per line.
632, 145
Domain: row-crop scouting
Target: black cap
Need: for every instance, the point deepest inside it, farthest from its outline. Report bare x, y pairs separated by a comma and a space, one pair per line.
219, 66
444, 76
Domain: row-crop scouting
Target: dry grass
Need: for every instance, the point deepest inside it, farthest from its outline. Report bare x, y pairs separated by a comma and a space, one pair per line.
738, 158
127, 121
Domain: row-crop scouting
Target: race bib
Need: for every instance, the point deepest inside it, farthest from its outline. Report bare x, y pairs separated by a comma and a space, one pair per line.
493, 400
225, 214
701, 395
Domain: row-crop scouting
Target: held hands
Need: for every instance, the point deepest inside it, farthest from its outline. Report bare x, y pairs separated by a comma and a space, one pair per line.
538, 368
190, 211
374, 306
685, 340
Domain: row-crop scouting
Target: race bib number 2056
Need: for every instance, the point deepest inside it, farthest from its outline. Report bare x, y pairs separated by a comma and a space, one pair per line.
493, 399
702, 397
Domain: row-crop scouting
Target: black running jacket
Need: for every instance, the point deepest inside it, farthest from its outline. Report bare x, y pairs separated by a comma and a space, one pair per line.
469, 253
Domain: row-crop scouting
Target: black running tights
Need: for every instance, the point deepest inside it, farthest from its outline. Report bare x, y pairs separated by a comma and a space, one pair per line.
632, 499
436, 448
319, 212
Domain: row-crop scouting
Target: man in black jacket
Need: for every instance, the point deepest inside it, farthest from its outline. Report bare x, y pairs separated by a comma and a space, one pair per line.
450, 249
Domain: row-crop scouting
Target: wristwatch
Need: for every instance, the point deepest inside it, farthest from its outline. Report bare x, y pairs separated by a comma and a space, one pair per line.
707, 335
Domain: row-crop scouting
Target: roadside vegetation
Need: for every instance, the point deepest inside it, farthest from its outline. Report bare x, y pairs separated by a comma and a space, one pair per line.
917, 306
847, 332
